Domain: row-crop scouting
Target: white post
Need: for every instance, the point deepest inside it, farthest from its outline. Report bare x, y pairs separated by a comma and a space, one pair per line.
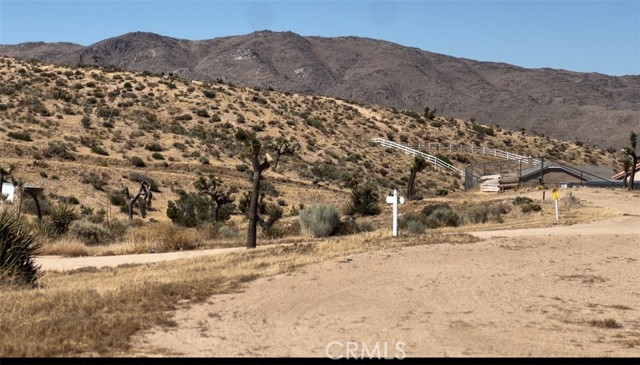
557, 213
395, 200
395, 212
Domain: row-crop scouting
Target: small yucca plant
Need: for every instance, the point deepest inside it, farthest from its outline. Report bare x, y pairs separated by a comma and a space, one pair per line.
364, 201
18, 245
62, 215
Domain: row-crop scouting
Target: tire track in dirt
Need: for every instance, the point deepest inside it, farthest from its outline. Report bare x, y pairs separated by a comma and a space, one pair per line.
525, 293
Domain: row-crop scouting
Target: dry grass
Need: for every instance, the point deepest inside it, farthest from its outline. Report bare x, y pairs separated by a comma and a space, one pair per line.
155, 237
98, 310
67, 247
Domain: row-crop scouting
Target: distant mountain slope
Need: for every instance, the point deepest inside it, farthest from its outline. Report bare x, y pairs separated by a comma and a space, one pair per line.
588, 107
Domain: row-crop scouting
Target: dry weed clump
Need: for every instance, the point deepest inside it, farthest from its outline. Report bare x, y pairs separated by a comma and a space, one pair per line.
163, 237
68, 247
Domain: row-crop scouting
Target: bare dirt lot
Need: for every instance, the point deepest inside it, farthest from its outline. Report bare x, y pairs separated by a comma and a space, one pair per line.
558, 291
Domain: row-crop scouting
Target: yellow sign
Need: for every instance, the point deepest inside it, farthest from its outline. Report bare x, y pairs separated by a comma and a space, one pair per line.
556, 194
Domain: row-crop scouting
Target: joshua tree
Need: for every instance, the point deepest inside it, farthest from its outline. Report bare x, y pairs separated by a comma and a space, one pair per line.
144, 193
631, 151
429, 114
419, 164
260, 165
283, 147
214, 189
273, 211
626, 166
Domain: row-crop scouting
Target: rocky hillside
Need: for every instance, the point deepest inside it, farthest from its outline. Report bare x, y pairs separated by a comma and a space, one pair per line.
81, 132
562, 104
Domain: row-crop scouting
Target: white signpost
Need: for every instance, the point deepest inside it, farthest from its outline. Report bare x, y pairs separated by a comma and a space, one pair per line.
395, 199
556, 196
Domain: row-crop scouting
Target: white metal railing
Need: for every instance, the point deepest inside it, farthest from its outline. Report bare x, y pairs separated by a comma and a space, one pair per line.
408, 150
439, 147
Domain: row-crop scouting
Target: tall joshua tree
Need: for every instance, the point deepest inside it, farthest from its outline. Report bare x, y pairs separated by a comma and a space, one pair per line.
260, 164
631, 151
626, 166
419, 164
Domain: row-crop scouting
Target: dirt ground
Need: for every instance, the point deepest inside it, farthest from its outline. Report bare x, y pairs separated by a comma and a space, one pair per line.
558, 291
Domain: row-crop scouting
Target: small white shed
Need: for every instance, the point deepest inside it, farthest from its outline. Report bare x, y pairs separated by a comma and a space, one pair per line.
8, 189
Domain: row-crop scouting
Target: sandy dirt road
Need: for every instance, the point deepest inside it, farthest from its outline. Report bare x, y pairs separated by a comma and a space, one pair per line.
563, 291
61, 263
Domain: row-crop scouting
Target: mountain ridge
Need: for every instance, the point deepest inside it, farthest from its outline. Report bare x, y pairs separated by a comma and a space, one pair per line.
562, 104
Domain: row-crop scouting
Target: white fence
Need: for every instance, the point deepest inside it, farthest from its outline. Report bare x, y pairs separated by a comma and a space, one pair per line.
411, 151
439, 147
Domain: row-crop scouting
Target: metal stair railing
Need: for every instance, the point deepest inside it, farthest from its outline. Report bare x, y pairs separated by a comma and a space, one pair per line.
410, 151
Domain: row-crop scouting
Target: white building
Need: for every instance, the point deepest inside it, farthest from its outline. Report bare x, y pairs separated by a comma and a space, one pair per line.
8, 190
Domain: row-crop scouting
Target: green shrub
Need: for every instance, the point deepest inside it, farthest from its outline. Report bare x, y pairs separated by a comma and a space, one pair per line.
415, 226
320, 220
202, 113
157, 156
95, 180
137, 162
429, 209
184, 117
117, 198
477, 214
59, 149
190, 210
519, 200
443, 217
486, 212
97, 149
18, 246
22, 136
89, 233
414, 223
154, 147
530, 207
107, 112
116, 229
441, 192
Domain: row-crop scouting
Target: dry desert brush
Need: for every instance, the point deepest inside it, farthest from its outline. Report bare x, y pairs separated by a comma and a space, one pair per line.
320, 220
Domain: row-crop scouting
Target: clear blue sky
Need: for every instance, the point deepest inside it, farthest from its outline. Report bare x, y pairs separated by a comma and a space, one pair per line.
586, 36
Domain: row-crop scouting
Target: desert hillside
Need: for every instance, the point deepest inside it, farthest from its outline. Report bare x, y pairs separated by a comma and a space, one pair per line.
81, 132
562, 104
